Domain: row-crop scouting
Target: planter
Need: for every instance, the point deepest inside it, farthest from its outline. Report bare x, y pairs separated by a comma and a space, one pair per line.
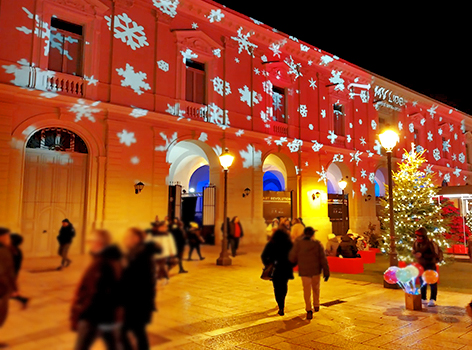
413, 302
459, 249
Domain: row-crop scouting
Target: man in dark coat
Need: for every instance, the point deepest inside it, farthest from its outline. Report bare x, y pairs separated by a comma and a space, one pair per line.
96, 307
347, 248
138, 288
66, 234
178, 232
7, 274
17, 254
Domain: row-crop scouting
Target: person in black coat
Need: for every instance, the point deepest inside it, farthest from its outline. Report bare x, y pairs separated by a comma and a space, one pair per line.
66, 234
138, 288
276, 252
177, 230
17, 254
347, 248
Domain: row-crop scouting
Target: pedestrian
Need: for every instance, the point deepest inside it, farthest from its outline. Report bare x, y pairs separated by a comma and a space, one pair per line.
296, 231
138, 288
161, 236
17, 254
276, 253
347, 248
301, 222
310, 256
178, 232
66, 234
427, 254
194, 240
96, 310
235, 234
7, 274
272, 227
332, 245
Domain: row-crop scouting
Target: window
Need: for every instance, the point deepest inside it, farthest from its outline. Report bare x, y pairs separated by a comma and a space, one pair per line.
66, 47
195, 82
339, 119
278, 104
57, 139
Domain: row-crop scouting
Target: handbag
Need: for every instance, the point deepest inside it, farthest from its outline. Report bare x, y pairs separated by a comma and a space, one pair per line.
268, 272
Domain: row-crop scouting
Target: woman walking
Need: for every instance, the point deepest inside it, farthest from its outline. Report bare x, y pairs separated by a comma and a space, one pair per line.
235, 234
194, 240
276, 252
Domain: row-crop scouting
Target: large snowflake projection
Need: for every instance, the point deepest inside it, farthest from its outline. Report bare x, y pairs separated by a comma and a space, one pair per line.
356, 157
432, 111
303, 110
135, 80
363, 189
267, 86
295, 145
323, 113
91, 80
440, 131
217, 52
373, 124
57, 40
363, 173
41, 29
323, 175
168, 142
203, 137
239, 133
337, 80
176, 111
461, 158
126, 137
268, 140
188, 55
338, 158
138, 112
447, 177
215, 116
163, 65
275, 48
411, 127
218, 86
266, 115
332, 136
128, 31
251, 157
281, 141
378, 147
243, 41
436, 154
316, 146
326, 59
304, 48
84, 110
168, 7
293, 68
363, 141
21, 73
372, 177
430, 136
215, 15
312, 83
247, 96
446, 145
277, 101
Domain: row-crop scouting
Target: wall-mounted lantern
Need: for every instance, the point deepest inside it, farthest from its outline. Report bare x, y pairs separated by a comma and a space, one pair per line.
316, 195
138, 187
246, 192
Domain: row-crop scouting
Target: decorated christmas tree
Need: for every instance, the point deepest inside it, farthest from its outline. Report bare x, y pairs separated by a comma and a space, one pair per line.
414, 206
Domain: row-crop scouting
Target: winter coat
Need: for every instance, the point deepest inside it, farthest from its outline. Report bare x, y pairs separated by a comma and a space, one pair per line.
332, 247
296, 231
17, 256
347, 248
66, 233
429, 257
276, 252
97, 299
179, 237
7, 272
194, 237
138, 284
166, 242
310, 256
232, 230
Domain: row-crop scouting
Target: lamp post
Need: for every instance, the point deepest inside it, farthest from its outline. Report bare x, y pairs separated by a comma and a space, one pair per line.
226, 159
389, 140
342, 185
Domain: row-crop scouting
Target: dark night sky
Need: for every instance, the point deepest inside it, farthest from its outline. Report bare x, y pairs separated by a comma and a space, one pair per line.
424, 48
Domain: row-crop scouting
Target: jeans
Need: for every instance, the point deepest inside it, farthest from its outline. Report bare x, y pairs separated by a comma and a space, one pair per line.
280, 291
434, 287
311, 284
233, 242
139, 333
87, 333
62, 252
192, 247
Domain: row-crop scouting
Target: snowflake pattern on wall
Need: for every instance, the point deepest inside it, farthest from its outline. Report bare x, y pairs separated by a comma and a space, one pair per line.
378, 147
138, 112
218, 86
251, 157
363, 189
400, 126
326, 59
239, 133
303, 110
293, 68
41, 29
295, 145
84, 110
134, 160
316, 146
446, 145
168, 142
128, 31
337, 80
281, 141
432, 111
338, 158
56, 40
372, 177
430, 136
332, 136
356, 157
243, 41
135, 80
168, 7
436, 154
323, 113
203, 137
126, 137
91, 80
175, 110
363, 141
267, 87
323, 175
275, 48
217, 52
363, 173
215, 16
215, 116
411, 127
163, 65
188, 55
268, 140
266, 115
461, 157
304, 48
447, 177
247, 98
373, 124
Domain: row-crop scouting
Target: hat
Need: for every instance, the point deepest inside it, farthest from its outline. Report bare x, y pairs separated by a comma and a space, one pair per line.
194, 225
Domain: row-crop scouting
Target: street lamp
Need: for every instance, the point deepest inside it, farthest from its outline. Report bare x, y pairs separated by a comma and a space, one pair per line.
342, 185
226, 159
389, 140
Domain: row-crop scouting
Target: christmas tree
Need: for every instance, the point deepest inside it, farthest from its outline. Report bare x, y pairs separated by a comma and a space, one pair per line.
414, 206
457, 230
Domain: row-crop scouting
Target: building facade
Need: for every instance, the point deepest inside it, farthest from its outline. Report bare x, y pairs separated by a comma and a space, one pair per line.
97, 96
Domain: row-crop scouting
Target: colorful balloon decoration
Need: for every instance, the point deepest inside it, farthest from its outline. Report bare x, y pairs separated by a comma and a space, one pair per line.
415, 272
407, 277
404, 275
419, 267
430, 277
390, 275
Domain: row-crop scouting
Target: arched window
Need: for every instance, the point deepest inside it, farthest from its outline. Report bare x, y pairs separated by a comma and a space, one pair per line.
57, 139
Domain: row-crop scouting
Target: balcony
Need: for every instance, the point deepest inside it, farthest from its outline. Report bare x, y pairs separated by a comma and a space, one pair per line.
279, 129
194, 110
65, 84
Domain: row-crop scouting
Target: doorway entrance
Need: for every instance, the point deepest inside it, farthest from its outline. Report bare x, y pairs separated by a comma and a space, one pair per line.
338, 207
54, 188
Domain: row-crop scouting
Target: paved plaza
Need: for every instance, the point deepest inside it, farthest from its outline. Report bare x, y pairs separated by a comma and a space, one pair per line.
232, 308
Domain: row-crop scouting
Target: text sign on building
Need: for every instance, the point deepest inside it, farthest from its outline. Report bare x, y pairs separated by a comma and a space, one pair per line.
387, 98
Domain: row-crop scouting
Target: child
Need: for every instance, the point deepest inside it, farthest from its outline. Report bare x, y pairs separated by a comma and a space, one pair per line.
16, 241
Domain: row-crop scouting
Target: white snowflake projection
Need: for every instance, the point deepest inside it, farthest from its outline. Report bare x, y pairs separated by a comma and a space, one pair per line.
236, 60
440, 173
351, 126
267, 86
138, 112
440, 131
337, 80
217, 52
275, 48
126, 137
128, 31
57, 40
447, 177
373, 124
436, 154
215, 116
451, 127
84, 110
239, 133
312, 83
248, 117
429, 169
454, 156
293, 38
430, 136
325, 60
281, 141
168, 142
432, 111
332, 136
370, 153
372, 177
446, 145
257, 71
400, 126
304, 48
264, 58
323, 175
378, 147
353, 179
203, 137
310, 62
135, 80
48, 94
251, 157
175, 110
163, 65
323, 113
303, 110
218, 150
246, 96
256, 21
348, 138
422, 121
360, 121
338, 158
215, 16
268, 140
266, 115
134, 160
293, 68
188, 55
455, 136
295, 145
414, 103
22, 73
356, 157
168, 7
310, 126
91, 80
243, 41
363, 141
363, 173
218, 86
419, 149
363, 189
411, 127
277, 101
41, 29
461, 158
194, 25
316, 146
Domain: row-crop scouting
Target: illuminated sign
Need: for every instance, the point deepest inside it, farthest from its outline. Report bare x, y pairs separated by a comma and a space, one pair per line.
387, 98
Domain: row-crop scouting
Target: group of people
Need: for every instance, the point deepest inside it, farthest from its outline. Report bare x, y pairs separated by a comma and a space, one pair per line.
234, 234
347, 246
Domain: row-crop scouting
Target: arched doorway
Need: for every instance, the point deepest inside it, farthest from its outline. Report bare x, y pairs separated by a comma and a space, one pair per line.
380, 183
338, 207
54, 188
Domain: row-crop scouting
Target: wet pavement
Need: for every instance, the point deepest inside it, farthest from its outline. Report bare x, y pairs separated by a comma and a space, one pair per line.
214, 307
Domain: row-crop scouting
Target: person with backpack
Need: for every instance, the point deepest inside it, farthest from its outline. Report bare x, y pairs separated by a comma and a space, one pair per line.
427, 254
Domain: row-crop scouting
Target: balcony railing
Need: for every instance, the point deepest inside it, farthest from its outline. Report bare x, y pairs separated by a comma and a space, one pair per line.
279, 129
65, 84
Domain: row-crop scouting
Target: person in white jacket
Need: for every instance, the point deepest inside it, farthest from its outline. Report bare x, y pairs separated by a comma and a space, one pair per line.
160, 234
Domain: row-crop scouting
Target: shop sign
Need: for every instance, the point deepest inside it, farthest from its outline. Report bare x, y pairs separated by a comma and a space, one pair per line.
387, 98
